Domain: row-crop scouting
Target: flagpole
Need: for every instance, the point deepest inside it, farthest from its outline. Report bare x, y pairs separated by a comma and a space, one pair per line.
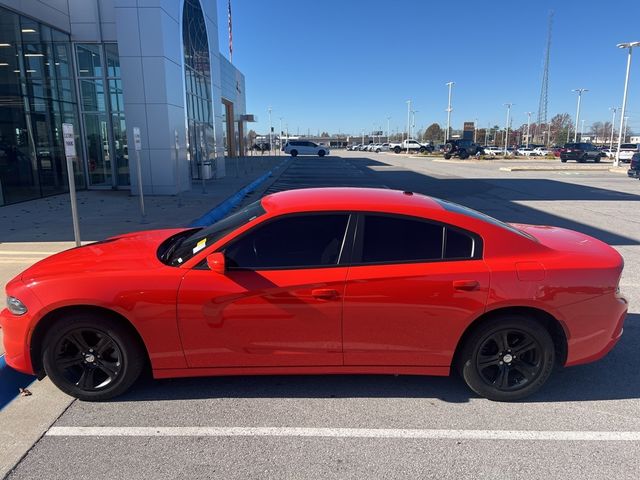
230, 32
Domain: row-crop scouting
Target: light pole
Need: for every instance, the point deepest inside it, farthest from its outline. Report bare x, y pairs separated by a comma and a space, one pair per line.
582, 130
613, 125
475, 130
270, 132
528, 126
449, 109
626, 126
413, 120
363, 137
388, 132
630, 46
408, 123
506, 128
579, 91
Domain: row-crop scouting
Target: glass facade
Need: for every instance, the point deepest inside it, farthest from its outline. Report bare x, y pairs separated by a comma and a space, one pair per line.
102, 110
37, 95
200, 133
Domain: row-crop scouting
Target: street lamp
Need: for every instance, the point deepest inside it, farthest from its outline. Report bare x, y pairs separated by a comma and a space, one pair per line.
582, 130
449, 109
408, 123
506, 132
528, 126
613, 125
388, 122
579, 90
630, 46
270, 131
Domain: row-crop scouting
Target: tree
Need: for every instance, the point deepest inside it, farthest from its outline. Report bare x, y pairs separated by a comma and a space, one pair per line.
560, 126
325, 134
434, 133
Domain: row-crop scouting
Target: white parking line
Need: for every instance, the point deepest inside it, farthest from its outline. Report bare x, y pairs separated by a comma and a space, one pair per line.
549, 435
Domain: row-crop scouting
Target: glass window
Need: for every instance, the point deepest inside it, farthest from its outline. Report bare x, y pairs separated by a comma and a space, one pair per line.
400, 239
89, 60
98, 160
115, 96
92, 95
291, 242
113, 60
458, 245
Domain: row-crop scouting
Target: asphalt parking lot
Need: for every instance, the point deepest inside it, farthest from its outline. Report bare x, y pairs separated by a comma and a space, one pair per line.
585, 422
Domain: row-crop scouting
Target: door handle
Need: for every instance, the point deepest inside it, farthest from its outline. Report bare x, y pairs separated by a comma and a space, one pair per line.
324, 293
466, 285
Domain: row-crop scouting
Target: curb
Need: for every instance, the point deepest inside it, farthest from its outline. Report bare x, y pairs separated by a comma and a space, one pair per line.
221, 210
11, 381
603, 168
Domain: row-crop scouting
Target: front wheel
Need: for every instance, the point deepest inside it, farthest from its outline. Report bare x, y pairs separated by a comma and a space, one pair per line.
563, 160
294, 153
321, 153
92, 357
447, 156
396, 149
507, 358
464, 154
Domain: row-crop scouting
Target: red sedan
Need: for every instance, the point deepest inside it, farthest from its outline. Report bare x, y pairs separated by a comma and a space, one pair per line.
321, 281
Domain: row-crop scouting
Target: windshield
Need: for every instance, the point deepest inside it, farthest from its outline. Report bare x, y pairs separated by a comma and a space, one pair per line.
200, 239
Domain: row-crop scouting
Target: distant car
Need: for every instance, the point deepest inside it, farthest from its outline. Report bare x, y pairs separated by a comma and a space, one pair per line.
322, 281
634, 168
526, 152
461, 148
304, 147
352, 148
493, 151
609, 152
627, 150
542, 151
382, 147
580, 152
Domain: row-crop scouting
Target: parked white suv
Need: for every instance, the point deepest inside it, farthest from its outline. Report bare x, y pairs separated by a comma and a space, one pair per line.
304, 147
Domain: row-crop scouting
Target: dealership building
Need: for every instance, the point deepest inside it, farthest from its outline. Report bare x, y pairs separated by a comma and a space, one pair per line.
107, 66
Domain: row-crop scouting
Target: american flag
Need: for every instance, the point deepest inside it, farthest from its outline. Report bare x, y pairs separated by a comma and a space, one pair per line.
230, 33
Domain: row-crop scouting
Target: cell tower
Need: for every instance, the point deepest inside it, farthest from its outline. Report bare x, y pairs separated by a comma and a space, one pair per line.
544, 92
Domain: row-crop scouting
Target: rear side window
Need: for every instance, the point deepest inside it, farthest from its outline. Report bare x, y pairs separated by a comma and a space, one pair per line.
397, 239
290, 242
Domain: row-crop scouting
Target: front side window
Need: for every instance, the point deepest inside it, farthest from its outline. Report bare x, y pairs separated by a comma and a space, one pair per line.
300, 241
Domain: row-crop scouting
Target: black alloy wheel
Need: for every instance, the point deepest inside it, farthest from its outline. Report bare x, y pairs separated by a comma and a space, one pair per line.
507, 358
294, 153
396, 149
92, 358
321, 153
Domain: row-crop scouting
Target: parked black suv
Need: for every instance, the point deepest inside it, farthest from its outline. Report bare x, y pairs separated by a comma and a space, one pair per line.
461, 148
581, 152
634, 168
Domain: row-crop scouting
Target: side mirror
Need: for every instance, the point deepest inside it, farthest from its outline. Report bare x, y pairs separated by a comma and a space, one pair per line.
216, 262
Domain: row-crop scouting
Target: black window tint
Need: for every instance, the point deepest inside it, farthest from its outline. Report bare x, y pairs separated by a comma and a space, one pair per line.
458, 245
393, 239
300, 241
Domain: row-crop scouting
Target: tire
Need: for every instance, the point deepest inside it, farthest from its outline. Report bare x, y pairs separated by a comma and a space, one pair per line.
448, 147
507, 371
563, 160
321, 153
583, 159
113, 358
378, 150
396, 149
464, 154
422, 150
294, 153
447, 156
597, 159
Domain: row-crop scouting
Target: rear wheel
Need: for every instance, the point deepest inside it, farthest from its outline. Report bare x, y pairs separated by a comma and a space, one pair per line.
563, 160
507, 358
597, 159
396, 149
464, 154
294, 153
583, 158
321, 153
92, 357
447, 156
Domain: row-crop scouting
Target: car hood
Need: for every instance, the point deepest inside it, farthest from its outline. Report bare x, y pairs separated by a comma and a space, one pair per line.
135, 250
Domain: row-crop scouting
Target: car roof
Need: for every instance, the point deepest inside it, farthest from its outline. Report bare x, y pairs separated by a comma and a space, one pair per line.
348, 198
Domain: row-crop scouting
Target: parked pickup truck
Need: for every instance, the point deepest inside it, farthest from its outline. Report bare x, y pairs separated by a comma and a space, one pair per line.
411, 145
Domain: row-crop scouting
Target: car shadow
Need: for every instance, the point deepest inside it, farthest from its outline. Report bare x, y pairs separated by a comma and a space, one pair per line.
615, 377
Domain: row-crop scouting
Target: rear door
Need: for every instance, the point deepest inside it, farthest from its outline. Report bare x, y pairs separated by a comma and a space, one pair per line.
412, 289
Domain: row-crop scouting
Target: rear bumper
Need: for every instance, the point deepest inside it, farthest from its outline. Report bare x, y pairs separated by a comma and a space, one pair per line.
596, 327
633, 173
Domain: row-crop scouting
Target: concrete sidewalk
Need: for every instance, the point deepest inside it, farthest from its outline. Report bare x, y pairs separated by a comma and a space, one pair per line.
105, 213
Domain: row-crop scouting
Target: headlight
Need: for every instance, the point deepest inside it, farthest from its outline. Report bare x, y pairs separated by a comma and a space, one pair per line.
15, 306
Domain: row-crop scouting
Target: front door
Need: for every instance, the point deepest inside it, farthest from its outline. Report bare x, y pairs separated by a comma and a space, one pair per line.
413, 289
280, 302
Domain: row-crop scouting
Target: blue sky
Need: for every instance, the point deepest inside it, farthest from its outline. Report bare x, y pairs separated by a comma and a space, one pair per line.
346, 65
